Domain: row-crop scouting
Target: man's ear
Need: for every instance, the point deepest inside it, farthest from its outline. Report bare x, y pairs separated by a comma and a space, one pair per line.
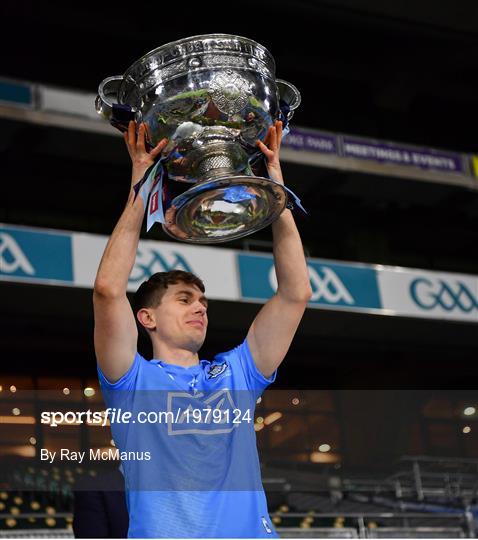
146, 318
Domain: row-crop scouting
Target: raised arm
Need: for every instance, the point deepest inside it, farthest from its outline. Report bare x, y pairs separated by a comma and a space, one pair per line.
115, 327
273, 329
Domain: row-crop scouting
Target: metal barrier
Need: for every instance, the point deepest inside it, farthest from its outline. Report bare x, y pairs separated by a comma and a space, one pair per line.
429, 476
37, 533
400, 525
45, 532
382, 532
416, 532
317, 532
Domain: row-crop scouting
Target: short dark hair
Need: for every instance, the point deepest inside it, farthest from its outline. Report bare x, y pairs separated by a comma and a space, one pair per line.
151, 291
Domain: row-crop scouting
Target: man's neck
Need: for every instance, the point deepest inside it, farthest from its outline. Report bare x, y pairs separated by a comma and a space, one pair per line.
175, 355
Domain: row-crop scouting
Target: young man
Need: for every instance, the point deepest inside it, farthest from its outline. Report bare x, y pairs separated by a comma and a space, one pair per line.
190, 475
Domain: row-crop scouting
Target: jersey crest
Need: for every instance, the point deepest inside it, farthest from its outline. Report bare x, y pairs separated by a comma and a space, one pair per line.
216, 370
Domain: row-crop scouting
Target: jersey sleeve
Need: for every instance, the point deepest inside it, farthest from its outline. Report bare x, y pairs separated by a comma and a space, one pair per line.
127, 381
121, 393
255, 380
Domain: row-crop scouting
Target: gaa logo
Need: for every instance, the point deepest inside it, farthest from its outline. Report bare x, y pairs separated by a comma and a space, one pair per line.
326, 287
12, 258
429, 295
150, 260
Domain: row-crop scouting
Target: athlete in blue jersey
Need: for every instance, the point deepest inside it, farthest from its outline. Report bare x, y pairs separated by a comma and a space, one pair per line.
189, 451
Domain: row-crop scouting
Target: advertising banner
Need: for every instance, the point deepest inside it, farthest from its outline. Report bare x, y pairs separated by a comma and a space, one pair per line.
403, 155
300, 139
380, 152
333, 284
216, 267
418, 293
62, 258
35, 255
16, 94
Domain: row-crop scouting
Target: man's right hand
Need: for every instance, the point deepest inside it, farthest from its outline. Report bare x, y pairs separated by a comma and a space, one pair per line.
140, 157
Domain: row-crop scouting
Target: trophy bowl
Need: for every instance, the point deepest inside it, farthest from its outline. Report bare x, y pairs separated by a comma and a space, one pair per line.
212, 96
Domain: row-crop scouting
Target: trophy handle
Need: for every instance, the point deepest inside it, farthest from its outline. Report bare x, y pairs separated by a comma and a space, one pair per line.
108, 95
289, 94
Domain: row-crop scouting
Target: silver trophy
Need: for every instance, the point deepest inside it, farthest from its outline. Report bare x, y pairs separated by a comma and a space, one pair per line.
212, 96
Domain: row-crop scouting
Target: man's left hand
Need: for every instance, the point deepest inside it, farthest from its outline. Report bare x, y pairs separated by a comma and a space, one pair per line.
271, 150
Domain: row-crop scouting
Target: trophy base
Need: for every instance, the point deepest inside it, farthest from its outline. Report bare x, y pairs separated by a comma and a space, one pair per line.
224, 209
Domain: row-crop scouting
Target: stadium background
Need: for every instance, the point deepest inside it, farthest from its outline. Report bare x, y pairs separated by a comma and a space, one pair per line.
373, 387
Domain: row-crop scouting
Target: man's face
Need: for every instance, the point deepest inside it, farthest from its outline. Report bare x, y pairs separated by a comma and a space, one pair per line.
181, 317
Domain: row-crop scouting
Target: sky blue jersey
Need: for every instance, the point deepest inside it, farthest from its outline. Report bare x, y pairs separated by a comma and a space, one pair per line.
188, 448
